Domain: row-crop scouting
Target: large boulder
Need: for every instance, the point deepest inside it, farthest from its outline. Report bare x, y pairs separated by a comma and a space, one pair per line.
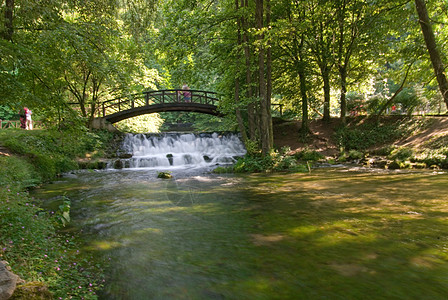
8, 281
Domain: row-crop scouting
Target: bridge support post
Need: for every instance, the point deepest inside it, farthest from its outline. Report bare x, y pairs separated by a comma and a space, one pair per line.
101, 123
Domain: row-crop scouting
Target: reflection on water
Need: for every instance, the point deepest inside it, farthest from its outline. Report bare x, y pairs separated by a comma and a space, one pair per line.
331, 234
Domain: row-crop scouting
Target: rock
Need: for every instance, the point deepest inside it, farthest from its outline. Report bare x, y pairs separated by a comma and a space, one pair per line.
8, 281
33, 290
118, 164
164, 175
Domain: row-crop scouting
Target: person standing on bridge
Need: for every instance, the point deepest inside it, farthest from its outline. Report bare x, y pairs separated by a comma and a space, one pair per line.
186, 93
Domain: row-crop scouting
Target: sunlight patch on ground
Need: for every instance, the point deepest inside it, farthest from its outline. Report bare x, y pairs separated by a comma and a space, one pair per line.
265, 240
349, 269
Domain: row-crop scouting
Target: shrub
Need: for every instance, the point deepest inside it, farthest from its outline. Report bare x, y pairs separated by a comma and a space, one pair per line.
309, 155
354, 154
401, 154
276, 161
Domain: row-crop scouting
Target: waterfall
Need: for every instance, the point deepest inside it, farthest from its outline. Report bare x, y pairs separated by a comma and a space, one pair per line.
171, 150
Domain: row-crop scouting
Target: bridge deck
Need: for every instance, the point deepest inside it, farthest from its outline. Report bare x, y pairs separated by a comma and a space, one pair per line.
158, 101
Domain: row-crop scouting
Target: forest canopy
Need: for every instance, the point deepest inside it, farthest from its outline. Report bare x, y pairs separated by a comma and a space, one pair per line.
315, 59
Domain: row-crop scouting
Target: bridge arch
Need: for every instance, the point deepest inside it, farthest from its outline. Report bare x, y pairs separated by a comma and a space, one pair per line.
148, 102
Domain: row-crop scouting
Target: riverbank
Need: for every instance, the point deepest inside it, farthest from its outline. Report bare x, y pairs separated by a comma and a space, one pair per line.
33, 241
407, 141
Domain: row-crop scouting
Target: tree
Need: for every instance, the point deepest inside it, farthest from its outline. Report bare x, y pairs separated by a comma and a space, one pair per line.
8, 29
431, 45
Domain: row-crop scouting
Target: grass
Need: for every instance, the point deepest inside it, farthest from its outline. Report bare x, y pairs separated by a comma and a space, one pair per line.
31, 239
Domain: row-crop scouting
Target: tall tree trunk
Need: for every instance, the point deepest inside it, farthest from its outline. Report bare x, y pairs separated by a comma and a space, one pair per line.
305, 129
342, 62
343, 75
430, 41
325, 73
301, 69
239, 117
264, 116
9, 15
269, 77
251, 111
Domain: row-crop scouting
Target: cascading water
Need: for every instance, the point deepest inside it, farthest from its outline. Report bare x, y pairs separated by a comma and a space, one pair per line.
171, 150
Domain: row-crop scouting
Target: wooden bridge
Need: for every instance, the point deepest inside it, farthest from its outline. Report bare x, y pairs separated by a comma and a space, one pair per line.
119, 109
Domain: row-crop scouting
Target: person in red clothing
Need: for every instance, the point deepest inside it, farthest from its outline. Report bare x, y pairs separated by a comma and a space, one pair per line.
22, 115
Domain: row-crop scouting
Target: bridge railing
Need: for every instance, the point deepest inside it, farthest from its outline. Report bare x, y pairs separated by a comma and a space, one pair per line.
158, 97
16, 124
123, 103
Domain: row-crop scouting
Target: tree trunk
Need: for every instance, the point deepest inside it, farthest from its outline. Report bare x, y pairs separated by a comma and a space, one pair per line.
342, 62
301, 69
326, 79
252, 123
343, 74
305, 129
389, 102
430, 41
269, 77
264, 116
9, 15
239, 117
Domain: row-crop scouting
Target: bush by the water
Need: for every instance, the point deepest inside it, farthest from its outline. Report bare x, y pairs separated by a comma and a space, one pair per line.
53, 152
277, 161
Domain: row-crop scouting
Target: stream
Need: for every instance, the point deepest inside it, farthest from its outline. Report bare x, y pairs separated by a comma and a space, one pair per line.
333, 233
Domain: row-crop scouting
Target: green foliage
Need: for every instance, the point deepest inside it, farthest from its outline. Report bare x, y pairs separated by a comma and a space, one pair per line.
141, 124
222, 170
53, 152
252, 148
17, 174
63, 214
437, 142
7, 113
309, 155
28, 234
253, 164
383, 151
367, 134
354, 154
276, 161
433, 157
397, 164
29, 242
401, 154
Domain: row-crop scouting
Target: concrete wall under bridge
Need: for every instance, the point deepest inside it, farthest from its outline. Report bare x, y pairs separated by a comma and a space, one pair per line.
101, 123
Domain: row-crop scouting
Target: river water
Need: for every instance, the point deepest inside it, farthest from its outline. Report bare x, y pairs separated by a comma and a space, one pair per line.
333, 233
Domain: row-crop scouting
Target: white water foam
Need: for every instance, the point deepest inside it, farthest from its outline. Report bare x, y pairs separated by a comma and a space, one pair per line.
174, 150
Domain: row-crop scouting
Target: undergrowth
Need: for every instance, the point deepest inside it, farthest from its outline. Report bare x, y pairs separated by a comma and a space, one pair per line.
277, 161
362, 136
31, 240
53, 152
